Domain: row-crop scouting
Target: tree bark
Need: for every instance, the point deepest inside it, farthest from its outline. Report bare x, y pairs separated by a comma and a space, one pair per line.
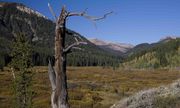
61, 95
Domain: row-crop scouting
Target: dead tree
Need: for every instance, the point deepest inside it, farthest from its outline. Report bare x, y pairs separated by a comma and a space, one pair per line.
58, 78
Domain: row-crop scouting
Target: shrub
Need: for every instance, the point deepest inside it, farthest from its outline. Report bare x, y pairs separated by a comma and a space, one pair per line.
167, 102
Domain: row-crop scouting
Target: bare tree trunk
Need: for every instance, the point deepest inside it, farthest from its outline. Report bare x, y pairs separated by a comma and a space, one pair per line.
61, 94
58, 78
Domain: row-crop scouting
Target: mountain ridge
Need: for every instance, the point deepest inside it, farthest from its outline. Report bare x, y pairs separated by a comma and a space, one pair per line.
22, 8
156, 55
111, 46
41, 31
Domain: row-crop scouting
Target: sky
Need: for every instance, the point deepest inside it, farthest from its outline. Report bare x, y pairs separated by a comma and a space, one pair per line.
132, 21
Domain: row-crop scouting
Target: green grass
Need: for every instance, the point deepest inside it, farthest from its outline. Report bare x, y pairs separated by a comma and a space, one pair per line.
90, 87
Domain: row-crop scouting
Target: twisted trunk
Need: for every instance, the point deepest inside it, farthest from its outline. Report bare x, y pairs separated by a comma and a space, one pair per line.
59, 97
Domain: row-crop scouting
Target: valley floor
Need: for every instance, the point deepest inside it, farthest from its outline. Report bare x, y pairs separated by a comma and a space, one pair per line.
90, 87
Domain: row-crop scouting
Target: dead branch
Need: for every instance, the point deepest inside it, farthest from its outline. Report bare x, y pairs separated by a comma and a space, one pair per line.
77, 48
52, 11
91, 18
83, 14
67, 49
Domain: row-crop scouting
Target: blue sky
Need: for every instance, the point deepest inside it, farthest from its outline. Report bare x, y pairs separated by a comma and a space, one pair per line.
133, 21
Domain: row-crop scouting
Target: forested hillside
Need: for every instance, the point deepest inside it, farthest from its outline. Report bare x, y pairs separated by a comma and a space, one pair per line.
17, 19
162, 54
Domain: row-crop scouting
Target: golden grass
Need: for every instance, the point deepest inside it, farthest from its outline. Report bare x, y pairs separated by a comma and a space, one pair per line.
90, 87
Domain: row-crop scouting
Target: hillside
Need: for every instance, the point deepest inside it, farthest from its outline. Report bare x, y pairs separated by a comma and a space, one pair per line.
16, 18
115, 48
165, 53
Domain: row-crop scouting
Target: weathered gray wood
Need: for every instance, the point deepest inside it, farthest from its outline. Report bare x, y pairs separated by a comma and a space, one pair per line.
57, 76
52, 75
61, 94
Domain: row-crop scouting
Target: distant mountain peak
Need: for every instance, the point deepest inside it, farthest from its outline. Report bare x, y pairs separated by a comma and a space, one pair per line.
112, 46
98, 41
168, 38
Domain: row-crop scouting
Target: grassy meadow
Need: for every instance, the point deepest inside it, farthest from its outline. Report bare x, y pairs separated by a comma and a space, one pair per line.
89, 87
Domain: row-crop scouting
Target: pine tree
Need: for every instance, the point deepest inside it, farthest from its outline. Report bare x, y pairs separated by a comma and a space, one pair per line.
21, 67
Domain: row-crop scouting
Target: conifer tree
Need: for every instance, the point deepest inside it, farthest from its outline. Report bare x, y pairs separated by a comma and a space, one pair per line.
21, 68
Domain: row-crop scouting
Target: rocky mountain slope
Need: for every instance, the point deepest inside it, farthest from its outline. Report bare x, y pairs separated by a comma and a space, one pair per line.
17, 18
116, 48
